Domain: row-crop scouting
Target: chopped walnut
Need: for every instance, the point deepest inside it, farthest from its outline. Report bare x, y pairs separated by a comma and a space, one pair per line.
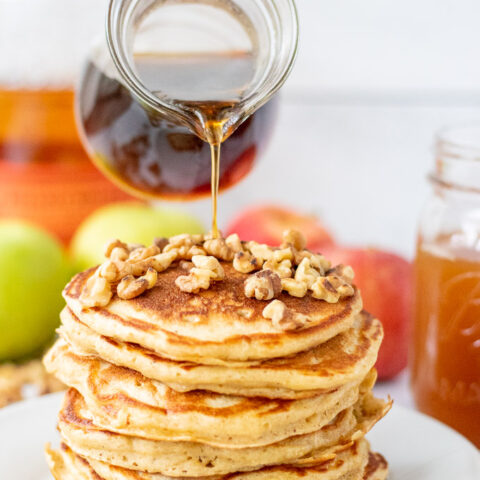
218, 248
275, 311
294, 238
211, 235
183, 243
343, 288
160, 242
162, 261
234, 242
261, 251
198, 279
196, 250
295, 288
97, 291
283, 318
331, 289
112, 244
345, 272
306, 273
317, 260
109, 271
283, 269
263, 285
283, 254
245, 262
143, 253
131, 287
134, 246
119, 254
209, 263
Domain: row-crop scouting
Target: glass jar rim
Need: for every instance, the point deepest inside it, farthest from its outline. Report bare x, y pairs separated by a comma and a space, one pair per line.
120, 10
455, 141
457, 163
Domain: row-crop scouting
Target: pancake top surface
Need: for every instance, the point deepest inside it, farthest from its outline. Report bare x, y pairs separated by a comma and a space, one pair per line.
221, 315
225, 300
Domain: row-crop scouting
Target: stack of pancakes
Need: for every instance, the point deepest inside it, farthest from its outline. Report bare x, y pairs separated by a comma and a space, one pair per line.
202, 386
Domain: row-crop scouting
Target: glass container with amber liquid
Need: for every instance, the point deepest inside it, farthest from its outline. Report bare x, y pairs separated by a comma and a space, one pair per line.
45, 174
180, 103
445, 359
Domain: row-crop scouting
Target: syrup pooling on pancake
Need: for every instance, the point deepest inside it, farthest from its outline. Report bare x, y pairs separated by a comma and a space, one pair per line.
216, 359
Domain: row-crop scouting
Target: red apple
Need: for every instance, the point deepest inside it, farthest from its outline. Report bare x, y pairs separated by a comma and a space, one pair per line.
266, 223
385, 281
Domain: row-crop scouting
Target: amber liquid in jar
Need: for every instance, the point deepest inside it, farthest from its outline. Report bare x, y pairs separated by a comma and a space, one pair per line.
45, 174
446, 362
155, 157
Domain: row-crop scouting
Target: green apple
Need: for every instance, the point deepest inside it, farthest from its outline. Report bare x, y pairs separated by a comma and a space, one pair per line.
33, 271
130, 222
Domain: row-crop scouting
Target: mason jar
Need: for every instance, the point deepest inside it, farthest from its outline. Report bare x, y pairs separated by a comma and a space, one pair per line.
445, 358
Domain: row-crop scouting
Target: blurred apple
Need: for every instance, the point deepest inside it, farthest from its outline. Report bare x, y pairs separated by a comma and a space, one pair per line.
266, 223
131, 222
385, 280
34, 271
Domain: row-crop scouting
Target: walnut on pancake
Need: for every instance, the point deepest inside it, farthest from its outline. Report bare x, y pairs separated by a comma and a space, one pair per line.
132, 269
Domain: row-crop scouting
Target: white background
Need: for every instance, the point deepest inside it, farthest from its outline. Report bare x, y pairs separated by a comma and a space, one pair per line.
373, 82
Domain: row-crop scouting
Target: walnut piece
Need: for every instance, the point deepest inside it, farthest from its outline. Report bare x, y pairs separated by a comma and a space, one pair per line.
97, 291
283, 318
263, 285
207, 269
198, 279
245, 262
209, 263
260, 251
160, 242
306, 273
283, 269
331, 289
234, 242
218, 248
294, 287
143, 253
119, 254
283, 254
345, 272
294, 238
131, 287
112, 244
317, 260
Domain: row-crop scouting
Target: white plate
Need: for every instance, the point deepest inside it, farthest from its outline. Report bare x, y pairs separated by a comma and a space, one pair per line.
416, 446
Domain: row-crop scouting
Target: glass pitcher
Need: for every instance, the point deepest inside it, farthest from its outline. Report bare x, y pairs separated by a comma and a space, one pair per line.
166, 70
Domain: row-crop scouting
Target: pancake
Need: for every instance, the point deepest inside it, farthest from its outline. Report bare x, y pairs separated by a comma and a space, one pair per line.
377, 467
345, 358
79, 431
218, 326
124, 401
348, 464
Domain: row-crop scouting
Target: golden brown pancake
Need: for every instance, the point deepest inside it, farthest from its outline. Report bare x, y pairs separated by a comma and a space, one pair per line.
377, 467
218, 326
125, 401
345, 358
79, 431
347, 464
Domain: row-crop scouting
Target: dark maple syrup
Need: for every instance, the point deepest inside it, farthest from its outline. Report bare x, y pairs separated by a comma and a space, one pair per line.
153, 156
